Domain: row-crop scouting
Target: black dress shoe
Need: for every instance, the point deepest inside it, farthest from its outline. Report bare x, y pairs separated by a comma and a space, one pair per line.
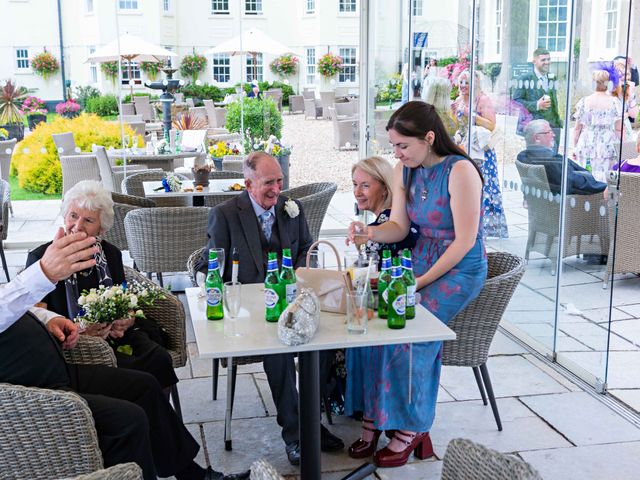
293, 452
328, 441
211, 474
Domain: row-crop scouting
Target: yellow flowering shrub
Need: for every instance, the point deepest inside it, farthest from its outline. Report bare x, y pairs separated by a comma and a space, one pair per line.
36, 162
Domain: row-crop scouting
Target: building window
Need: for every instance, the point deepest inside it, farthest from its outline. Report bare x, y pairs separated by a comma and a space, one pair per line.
417, 7
88, 5
93, 68
348, 72
311, 65
258, 68
611, 14
221, 68
166, 6
135, 73
552, 25
253, 7
220, 7
22, 58
310, 6
346, 6
498, 26
128, 4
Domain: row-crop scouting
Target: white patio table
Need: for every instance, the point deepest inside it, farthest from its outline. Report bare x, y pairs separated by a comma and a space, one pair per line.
257, 337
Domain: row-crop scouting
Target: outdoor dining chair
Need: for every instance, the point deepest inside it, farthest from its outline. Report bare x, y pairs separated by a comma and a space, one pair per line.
112, 176
345, 130
217, 116
161, 239
130, 118
6, 152
468, 460
123, 204
65, 143
476, 325
315, 199
233, 163
296, 104
311, 109
128, 109
585, 229
624, 225
143, 107
133, 185
122, 471
327, 99
76, 168
4, 224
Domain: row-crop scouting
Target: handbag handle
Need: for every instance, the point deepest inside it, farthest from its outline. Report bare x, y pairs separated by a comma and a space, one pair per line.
325, 242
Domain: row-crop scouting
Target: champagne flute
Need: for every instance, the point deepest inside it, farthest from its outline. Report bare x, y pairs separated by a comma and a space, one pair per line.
232, 293
221, 258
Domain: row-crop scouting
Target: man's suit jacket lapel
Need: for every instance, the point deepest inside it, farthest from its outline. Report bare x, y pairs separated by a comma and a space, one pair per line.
249, 222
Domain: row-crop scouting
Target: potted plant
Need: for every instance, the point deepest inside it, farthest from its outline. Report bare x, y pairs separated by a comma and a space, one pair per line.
329, 65
11, 118
274, 147
285, 65
218, 150
34, 109
193, 65
201, 175
44, 64
68, 109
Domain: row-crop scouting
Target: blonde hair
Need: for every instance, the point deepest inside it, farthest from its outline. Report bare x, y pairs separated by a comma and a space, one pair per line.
439, 94
601, 77
381, 171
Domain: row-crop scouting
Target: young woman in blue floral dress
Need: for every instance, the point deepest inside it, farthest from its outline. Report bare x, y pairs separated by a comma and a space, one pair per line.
436, 186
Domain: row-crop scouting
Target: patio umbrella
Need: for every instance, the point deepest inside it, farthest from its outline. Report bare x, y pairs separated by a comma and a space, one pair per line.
253, 42
129, 48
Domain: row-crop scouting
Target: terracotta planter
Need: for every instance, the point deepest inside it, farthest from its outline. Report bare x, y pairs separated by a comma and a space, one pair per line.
200, 177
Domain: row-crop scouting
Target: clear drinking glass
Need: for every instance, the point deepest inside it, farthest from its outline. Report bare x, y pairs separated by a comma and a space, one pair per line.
357, 312
316, 259
221, 258
232, 293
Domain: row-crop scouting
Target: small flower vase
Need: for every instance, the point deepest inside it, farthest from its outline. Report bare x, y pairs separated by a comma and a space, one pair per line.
200, 177
217, 162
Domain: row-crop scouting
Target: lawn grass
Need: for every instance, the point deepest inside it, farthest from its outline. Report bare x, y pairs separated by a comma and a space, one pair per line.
18, 193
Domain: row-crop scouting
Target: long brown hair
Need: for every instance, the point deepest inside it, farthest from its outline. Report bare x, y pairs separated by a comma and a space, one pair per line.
416, 119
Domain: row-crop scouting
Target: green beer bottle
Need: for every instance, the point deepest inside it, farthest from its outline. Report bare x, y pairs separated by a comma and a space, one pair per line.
213, 286
383, 282
396, 298
272, 290
410, 282
287, 279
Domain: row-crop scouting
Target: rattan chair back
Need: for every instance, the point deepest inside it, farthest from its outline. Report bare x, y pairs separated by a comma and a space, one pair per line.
65, 143
315, 199
76, 168
122, 471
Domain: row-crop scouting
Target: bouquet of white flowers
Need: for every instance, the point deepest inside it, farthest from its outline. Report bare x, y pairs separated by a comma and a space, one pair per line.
107, 304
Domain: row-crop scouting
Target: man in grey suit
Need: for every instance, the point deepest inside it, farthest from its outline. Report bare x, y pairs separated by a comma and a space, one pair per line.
256, 222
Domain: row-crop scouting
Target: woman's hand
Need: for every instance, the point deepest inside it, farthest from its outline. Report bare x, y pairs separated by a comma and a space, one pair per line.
358, 234
118, 327
98, 330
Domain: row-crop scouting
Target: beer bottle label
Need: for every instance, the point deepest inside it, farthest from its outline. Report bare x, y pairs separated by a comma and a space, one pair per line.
292, 292
270, 297
399, 304
214, 297
385, 295
411, 295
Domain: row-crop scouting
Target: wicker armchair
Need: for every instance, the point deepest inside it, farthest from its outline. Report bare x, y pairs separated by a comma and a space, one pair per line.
626, 200
76, 168
65, 143
345, 130
128, 109
467, 460
585, 229
143, 107
315, 199
123, 471
112, 176
91, 351
123, 204
132, 185
161, 239
327, 99
4, 223
51, 433
6, 152
476, 325
296, 104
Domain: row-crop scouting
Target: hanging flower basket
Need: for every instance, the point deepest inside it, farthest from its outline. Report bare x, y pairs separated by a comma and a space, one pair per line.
285, 65
151, 69
192, 66
329, 65
110, 70
44, 64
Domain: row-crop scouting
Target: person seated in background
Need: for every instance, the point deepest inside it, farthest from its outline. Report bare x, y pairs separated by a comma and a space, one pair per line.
88, 208
134, 421
372, 188
540, 140
255, 90
630, 165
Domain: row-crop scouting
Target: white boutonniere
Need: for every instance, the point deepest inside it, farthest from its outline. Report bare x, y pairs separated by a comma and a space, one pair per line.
291, 208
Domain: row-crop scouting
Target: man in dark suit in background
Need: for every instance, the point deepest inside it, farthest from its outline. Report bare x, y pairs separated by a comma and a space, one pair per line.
540, 139
256, 222
536, 91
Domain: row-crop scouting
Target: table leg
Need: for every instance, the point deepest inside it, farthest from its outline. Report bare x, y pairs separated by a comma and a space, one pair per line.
309, 411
